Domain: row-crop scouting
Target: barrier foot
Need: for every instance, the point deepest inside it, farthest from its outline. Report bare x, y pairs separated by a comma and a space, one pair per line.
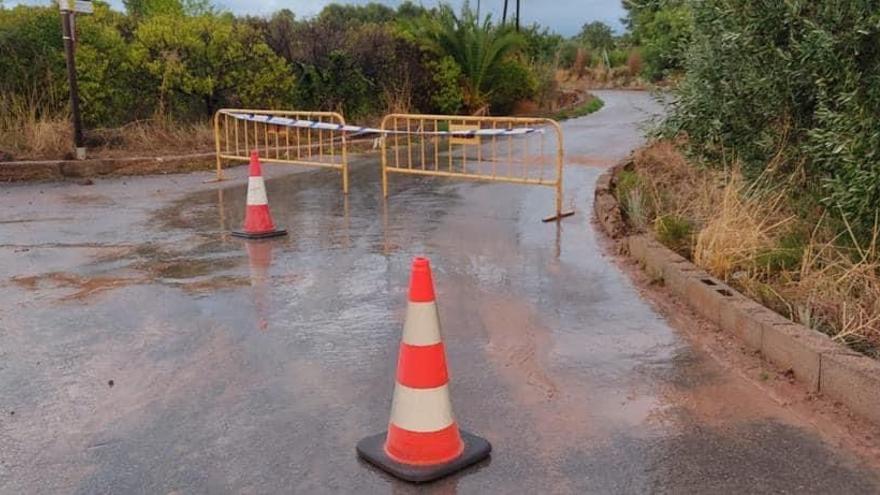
556, 218
372, 450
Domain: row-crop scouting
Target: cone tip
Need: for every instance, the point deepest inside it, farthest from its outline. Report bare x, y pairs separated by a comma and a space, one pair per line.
421, 288
255, 168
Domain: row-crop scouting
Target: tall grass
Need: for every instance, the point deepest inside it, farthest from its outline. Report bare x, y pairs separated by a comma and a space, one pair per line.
30, 128
793, 258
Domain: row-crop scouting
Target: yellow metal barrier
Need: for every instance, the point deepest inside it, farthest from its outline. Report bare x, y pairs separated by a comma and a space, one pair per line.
437, 145
234, 139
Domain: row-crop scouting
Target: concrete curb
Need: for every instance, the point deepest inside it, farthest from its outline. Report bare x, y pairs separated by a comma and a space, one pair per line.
77, 169
823, 365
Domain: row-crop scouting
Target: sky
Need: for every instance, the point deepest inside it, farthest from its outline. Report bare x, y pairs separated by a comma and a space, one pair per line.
563, 16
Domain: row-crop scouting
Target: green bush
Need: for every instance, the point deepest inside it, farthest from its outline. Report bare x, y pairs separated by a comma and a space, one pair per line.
32, 56
447, 97
663, 28
796, 80
205, 61
511, 82
110, 89
339, 85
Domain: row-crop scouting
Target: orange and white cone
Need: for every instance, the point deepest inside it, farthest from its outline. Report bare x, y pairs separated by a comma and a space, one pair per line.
423, 441
257, 219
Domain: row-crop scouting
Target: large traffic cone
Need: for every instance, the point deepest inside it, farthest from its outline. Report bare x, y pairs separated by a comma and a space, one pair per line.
423, 441
257, 219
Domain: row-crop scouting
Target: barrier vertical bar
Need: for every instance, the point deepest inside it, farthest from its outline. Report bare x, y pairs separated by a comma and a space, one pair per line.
217, 145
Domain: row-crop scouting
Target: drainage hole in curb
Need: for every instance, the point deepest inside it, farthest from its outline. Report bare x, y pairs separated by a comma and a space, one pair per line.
725, 292
708, 281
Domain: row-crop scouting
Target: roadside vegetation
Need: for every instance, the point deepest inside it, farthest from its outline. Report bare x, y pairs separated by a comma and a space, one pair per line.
152, 75
767, 170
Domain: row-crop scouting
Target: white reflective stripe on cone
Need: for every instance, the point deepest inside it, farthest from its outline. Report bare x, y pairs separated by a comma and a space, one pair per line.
256, 194
421, 410
422, 326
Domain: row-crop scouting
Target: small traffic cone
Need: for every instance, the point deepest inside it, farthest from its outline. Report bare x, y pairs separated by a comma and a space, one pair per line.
423, 441
257, 219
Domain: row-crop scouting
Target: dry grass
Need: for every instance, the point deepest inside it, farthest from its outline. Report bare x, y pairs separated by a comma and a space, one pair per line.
635, 63
581, 59
29, 131
29, 134
809, 266
152, 137
743, 226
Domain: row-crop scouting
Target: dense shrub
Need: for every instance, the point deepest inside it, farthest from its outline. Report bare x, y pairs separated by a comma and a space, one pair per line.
202, 62
662, 28
512, 82
447, 96
32, 61
790, 84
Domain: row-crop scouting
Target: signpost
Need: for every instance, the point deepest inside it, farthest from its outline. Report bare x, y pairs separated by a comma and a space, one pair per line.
69, 9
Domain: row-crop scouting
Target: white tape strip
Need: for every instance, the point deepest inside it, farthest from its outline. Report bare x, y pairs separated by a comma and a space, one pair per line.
327, 126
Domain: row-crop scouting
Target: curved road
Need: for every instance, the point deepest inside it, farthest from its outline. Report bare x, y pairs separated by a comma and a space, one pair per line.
145, 351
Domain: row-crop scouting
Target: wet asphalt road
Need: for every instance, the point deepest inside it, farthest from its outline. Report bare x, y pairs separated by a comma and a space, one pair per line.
256, 369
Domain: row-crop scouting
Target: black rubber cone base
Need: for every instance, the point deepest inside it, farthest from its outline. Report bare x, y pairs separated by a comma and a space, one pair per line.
372, 450
259, 235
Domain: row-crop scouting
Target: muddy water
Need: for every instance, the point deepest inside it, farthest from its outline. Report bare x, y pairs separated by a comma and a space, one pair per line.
255, 368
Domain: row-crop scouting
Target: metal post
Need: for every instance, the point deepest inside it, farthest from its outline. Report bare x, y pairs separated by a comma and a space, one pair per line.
68, 29
217, 145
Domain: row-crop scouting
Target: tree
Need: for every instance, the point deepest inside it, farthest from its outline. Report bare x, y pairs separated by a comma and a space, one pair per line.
597, 35
147, 8
478, 47
664, 29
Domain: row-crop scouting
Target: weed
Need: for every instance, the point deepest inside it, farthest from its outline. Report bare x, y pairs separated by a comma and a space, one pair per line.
674, 232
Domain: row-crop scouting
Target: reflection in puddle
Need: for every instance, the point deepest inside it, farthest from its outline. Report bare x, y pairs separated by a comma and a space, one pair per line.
259, 261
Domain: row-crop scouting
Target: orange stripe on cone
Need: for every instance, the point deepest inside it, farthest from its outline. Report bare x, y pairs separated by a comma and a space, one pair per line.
422, 366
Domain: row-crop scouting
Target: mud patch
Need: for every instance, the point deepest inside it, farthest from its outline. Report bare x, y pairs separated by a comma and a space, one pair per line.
89, 199
83, 287
186, 268
588, 160
214, 284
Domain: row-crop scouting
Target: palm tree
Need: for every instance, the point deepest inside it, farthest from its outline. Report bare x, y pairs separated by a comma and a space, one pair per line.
478, 47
